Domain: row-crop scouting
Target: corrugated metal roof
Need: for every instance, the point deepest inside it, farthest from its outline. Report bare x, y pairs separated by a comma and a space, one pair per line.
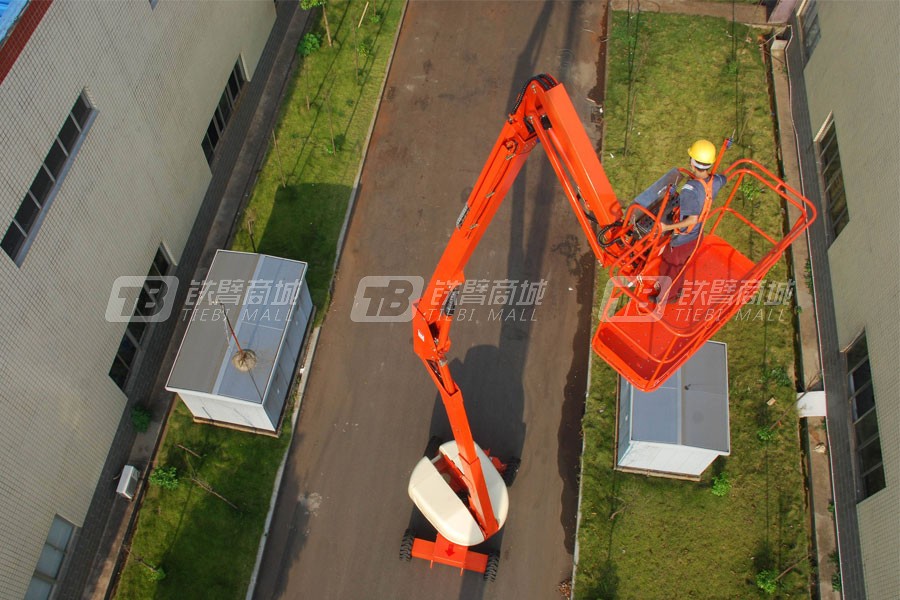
9, 14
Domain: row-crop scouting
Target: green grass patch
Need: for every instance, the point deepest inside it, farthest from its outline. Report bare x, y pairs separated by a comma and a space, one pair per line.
673, 79
190, 542
300, 199
203, 546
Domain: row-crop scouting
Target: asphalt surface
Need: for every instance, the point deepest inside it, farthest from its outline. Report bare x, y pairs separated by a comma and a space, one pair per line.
370, 407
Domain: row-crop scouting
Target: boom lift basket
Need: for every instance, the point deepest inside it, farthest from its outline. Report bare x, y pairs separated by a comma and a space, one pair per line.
648, 342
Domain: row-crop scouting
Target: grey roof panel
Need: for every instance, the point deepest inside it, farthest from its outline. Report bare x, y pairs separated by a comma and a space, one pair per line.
689, 409
258, 314
655, 415
705, 399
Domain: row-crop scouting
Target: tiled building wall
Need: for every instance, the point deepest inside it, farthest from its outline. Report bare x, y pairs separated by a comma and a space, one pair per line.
854, 74
154, 76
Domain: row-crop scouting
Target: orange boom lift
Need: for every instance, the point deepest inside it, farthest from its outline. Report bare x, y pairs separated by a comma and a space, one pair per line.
462, 491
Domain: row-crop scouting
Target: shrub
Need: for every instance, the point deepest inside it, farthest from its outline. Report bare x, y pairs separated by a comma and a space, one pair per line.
164, 477
154, 573
807, 275
767, 581
309, 44
364, 48
140, 418
765, 434
721, 485
751, 191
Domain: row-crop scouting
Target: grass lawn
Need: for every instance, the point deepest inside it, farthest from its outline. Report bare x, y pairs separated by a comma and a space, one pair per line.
205, 547
647, 538
300, 216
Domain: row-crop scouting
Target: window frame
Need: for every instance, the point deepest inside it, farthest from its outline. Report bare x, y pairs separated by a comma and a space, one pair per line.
854, 392
129, 336
827, 142
53, 580
54, 178
218, 123
810, 29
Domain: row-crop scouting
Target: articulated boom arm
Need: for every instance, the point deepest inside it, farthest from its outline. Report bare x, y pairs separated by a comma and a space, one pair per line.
645, 342
542, 113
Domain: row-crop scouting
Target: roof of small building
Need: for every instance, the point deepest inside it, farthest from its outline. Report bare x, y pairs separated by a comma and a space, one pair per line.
690, 408
258, 294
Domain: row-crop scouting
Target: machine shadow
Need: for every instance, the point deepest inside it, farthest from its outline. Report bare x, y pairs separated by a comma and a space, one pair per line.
492, 378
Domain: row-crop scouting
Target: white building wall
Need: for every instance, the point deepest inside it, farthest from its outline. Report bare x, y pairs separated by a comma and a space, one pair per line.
154, 76
854, 74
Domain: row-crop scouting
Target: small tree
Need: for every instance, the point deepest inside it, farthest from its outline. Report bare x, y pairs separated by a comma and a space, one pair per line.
721, 485
308, 45
767, 581
164, 477
309, 5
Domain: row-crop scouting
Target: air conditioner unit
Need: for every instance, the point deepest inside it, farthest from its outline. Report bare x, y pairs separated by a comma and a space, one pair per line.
128, 481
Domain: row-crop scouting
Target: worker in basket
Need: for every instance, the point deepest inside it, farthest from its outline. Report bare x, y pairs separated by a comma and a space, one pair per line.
694, 201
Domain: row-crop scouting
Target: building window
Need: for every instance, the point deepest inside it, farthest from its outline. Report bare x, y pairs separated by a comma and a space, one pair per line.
37, 200
223, 112
46, 574
865, 420
833, 180
136, 332
809, 26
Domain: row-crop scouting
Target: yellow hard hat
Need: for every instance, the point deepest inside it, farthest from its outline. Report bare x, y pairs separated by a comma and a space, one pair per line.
703, 151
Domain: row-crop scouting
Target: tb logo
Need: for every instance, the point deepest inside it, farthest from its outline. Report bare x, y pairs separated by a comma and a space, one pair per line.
386, 298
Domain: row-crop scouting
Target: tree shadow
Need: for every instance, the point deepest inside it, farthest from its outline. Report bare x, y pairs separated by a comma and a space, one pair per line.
305, 224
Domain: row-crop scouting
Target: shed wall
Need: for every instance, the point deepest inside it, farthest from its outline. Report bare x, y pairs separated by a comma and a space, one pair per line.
667, 458
290, 353
226, 411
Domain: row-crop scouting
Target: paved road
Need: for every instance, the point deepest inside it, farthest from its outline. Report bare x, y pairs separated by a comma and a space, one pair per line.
369, 407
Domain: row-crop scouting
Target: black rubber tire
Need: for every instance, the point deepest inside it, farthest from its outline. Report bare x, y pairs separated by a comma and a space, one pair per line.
406, 545
493, 564
512, 469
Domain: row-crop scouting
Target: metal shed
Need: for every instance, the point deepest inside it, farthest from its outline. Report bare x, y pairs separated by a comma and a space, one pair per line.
236, 362
679, 429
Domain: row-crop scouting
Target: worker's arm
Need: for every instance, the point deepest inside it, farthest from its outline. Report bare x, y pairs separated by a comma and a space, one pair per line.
686, 223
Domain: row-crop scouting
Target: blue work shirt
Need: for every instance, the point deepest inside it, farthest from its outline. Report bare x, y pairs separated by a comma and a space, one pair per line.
691, 201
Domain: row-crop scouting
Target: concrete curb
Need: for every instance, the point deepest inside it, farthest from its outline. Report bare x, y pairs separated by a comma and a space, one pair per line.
307, 365
279, 475
355, 190
587, 391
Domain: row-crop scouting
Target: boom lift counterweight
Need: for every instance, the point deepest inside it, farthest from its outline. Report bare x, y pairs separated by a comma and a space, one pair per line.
461, 491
